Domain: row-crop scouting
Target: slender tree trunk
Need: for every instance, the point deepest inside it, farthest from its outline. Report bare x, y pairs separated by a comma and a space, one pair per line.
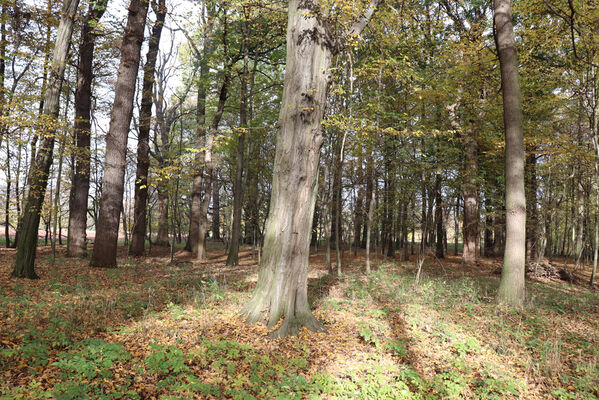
162, 234
470, 229
58, 193
193, 240
531, 198
439, 216
371, 204
233, 256
138, 234
216, 210
7, 202
40, 167
209, 172
76, 244
511, 288
111, 202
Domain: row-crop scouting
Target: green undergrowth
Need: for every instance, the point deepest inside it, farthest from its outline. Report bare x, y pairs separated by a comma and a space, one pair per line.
441, 339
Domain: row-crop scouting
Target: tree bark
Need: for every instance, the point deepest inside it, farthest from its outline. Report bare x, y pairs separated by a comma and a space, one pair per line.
76, 244
531, 200
40, 167
138, 235
470, 230
439, 252
281, 291
233, 256
193, 240
111, 202
512, 286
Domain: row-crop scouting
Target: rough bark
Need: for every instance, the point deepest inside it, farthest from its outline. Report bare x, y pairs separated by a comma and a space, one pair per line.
40, 167
281, 291
511, 288
138, 235
105, 247
76, 244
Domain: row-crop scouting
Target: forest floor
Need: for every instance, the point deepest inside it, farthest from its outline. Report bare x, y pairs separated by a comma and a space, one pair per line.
154, 330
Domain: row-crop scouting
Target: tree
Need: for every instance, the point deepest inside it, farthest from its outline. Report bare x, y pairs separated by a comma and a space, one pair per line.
282, 288
111, 202
82, 127
138, 237
40, 167
511, 288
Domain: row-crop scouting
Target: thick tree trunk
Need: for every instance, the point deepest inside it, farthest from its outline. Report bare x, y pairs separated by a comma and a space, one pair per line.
511, 288
40, 167
111, 202
138, 235
76, 244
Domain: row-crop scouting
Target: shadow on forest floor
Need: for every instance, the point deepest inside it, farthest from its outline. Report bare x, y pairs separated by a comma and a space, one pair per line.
152, 329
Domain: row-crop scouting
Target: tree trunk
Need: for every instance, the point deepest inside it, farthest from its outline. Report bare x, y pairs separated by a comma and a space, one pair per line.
162, 234
76, 244
371, 204
439, 216
40, 167
470, 229
281, 291
531, 200
233, 256
209, 171
138, 235
216, 210
193, 240
111, 202
511, 288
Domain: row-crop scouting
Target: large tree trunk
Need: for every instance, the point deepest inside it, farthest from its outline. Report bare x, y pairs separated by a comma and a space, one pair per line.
76, 244
40, 167
511, 288
281, 291
111, 202
138, 235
